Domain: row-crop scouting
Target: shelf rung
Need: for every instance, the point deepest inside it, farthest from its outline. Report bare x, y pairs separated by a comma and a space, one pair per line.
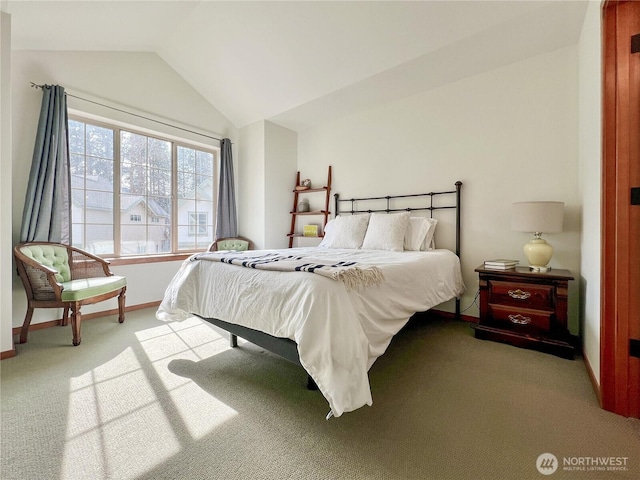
311, 190
315, 212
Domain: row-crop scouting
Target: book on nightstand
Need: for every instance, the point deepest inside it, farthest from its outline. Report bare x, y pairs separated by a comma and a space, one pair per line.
501, 264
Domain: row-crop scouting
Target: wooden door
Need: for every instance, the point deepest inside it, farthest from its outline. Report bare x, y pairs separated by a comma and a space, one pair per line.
620, 312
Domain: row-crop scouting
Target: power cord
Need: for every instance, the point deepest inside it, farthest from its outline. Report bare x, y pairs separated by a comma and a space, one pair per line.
473, 302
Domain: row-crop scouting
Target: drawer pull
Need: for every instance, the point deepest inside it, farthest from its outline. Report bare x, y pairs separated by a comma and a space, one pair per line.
519, 294
519, 319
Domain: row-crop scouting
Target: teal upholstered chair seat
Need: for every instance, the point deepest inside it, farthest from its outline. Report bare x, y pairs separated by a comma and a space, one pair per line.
237, 244
61, 276
76, 290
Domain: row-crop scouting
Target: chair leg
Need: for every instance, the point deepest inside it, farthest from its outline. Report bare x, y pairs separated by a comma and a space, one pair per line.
65, 317
25, 326
76, 319
121, 299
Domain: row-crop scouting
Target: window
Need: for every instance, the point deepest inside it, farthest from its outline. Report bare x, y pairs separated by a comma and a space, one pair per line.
136, 194
197, 223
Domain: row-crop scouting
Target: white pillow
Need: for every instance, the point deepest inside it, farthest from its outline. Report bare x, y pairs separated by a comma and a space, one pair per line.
346, 231
326, 239
429, 241
386, 231
417, 230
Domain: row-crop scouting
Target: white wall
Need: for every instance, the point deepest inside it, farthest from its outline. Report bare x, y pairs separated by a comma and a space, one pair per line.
590, 161
509, 135
280, 176
136, 82
251, 174
267, 175
6, 259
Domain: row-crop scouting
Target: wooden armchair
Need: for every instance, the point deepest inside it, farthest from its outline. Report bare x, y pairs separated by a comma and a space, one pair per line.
237, 244
61, 276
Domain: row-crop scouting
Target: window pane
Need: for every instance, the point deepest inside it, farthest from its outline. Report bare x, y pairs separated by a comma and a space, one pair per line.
204, 190
204, 241
133, 148
159, 182
76, 164
76, 137
77, 233
134, 242
204, 163
160, 208
98, 207
130, 205
160, 153
186, 185
78, 200
99, 141
160, 237
99, 174
133, 178
186, 159
99, 239
185, 241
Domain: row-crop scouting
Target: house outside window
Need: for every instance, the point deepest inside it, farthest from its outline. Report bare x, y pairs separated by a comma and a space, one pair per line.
197, 223
133, 193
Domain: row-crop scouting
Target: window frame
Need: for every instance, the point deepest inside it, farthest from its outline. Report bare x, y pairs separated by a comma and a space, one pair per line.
116, 258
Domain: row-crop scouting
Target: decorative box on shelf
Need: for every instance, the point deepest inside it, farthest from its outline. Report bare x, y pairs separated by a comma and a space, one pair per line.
525, 308
310, 230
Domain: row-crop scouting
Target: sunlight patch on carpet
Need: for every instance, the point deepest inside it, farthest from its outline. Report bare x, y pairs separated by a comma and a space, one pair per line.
192, 340
105, 436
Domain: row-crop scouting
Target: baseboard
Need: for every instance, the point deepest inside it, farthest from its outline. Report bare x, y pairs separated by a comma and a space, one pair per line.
8, 353
594, 381
85, 317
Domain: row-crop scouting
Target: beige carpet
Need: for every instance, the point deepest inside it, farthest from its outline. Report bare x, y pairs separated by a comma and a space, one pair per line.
149, 400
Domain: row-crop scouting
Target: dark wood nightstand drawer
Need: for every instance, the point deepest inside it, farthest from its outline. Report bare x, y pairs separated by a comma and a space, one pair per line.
521, 294
522, 320
525, 308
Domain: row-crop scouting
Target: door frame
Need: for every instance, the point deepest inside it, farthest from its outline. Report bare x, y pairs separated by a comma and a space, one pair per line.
618, 387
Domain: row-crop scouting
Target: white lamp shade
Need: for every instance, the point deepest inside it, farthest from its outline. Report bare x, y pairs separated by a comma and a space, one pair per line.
542, 217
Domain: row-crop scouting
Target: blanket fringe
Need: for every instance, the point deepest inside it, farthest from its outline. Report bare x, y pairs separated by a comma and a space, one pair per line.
358, 277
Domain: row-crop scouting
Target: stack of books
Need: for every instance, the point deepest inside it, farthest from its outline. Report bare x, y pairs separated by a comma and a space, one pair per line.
500, 264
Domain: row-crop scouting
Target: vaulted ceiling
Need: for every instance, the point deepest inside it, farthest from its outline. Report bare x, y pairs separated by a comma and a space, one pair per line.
299, 63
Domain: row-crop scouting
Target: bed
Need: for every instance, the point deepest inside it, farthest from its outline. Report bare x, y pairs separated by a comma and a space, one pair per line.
333, 309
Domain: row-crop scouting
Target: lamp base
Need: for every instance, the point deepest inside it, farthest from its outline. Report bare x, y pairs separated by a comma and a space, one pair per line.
537, 268
538, 253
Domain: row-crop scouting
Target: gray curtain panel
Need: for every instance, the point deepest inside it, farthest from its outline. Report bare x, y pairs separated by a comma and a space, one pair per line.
47, 208
227, 221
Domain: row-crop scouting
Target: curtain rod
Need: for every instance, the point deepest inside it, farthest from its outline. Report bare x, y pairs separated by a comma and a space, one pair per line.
35, 85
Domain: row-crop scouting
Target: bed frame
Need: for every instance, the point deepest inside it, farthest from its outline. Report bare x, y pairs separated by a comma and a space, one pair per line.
288, 349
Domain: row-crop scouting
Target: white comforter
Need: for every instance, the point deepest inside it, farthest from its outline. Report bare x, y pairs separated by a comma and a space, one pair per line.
339, 333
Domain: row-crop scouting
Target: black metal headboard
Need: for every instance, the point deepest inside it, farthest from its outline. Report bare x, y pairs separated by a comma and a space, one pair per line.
451, 200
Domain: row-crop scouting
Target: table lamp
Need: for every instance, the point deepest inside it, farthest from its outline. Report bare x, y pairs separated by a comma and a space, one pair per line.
538, 218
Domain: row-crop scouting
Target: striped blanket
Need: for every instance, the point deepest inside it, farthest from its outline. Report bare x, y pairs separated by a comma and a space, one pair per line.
352, 274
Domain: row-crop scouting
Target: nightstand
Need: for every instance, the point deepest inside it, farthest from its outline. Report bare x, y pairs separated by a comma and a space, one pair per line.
526, 309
